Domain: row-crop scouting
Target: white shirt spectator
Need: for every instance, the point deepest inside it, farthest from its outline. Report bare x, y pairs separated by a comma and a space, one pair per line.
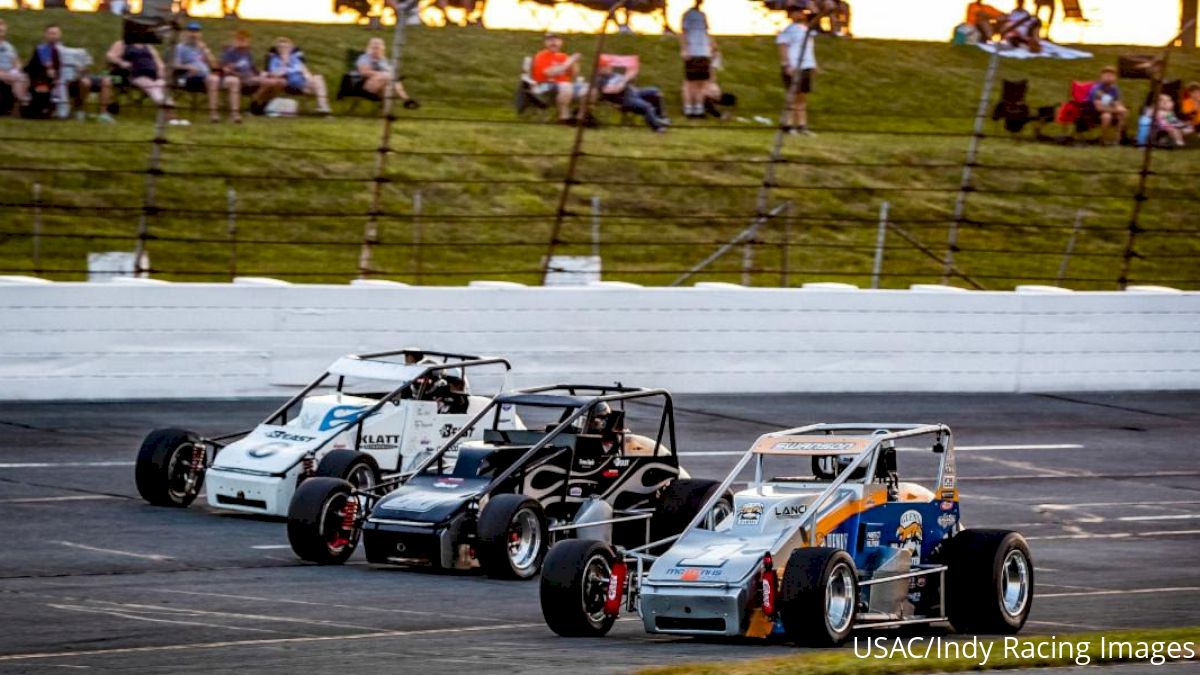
795, 36
8, 57
695, 34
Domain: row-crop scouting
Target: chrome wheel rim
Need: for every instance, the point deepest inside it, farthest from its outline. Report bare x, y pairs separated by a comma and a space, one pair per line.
524, 540
839, 598
596, 576
719, 512
332, 521
361, 477
182, 477
1014, 583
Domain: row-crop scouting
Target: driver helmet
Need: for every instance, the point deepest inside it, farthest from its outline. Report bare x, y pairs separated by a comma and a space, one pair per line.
599, 418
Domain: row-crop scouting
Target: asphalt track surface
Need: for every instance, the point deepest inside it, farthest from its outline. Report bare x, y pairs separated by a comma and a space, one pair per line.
1106, 487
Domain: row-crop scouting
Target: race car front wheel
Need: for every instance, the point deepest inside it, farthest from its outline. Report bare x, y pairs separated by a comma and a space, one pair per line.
512, 537
989, 583
818, 598
170, 467
574, 586
324, 521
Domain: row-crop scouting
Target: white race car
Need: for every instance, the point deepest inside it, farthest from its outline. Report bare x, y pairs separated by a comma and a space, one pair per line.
368, 416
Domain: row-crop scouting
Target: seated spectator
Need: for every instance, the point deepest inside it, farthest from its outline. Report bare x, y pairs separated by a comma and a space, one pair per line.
985, 19
618, 88
288, 63
554, 73
11, 75
1022, 29
1189, 108
1104, 99
80, 84
193, 67
44, 72
237, 60
1167, 122
142, 67
376, 72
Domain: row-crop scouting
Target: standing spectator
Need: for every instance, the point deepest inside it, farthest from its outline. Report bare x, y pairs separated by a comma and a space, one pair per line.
237, 60
798, 61
11, 74
619, 88
194, 63
1189, 108
377, 74
554, 72
1105, 99
142, 67
696, 48
288, 63
80, 83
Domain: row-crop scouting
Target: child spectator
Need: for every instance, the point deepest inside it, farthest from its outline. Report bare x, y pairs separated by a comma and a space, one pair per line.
1105, 99
237, 60
1165, 121
1189, 108
377, 74
11, 75
696, 48
797, 62
554, 72
288, 63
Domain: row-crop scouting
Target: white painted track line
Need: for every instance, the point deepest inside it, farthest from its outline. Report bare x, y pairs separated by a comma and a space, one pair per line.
145, 556
55, 465
957, 448
1132, 591
67, 498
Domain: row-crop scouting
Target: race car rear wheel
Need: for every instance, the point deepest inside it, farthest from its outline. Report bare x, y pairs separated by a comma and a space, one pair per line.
574, 586
680, 501
512, 537
170, 467
819, 596
324, 521
357, 468
989, 583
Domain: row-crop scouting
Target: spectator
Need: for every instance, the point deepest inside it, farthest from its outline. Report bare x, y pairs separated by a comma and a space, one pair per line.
194, 63
1104, 99
554, 72
1167, 122
377, 74
618, 88
288, 63
696, 48
1189, 108
45, 66
1021, 29
237, 60
142, 67
838, 12
11, 75
985, 19
80, 83
798, 61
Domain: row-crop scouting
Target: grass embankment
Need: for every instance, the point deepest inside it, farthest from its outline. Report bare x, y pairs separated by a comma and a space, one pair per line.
865, 87
844, 662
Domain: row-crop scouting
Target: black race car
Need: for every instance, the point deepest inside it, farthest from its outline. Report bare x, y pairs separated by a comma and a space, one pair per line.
569, 469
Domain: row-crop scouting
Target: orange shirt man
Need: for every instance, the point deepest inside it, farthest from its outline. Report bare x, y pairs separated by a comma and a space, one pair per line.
554, 71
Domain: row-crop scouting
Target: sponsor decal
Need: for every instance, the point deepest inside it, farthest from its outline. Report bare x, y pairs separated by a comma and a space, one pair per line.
837, 540
280, 434
947, 505
947, 520
620, 462
341, 415
448, 483
750, 513
949, 494
575, 491
815, 445
790, 511
380, 441
909, 533
448, 430
948, 481
873, 537
266, 450
692, 573
585, 463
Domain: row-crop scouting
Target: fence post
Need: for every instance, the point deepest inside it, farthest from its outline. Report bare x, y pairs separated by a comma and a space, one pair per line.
785, 251
1159, 74
747, 260
418, 236
371, 229
596, 225
231, 221
966, 187
1062, 267
880, 237
37, 228
154, 166
564, 195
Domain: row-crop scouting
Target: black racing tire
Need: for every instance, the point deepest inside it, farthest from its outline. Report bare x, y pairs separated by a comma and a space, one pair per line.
818, 597
315, 521
989, 581
574, 584
680, 501
512, 537
357, 468
164, 472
